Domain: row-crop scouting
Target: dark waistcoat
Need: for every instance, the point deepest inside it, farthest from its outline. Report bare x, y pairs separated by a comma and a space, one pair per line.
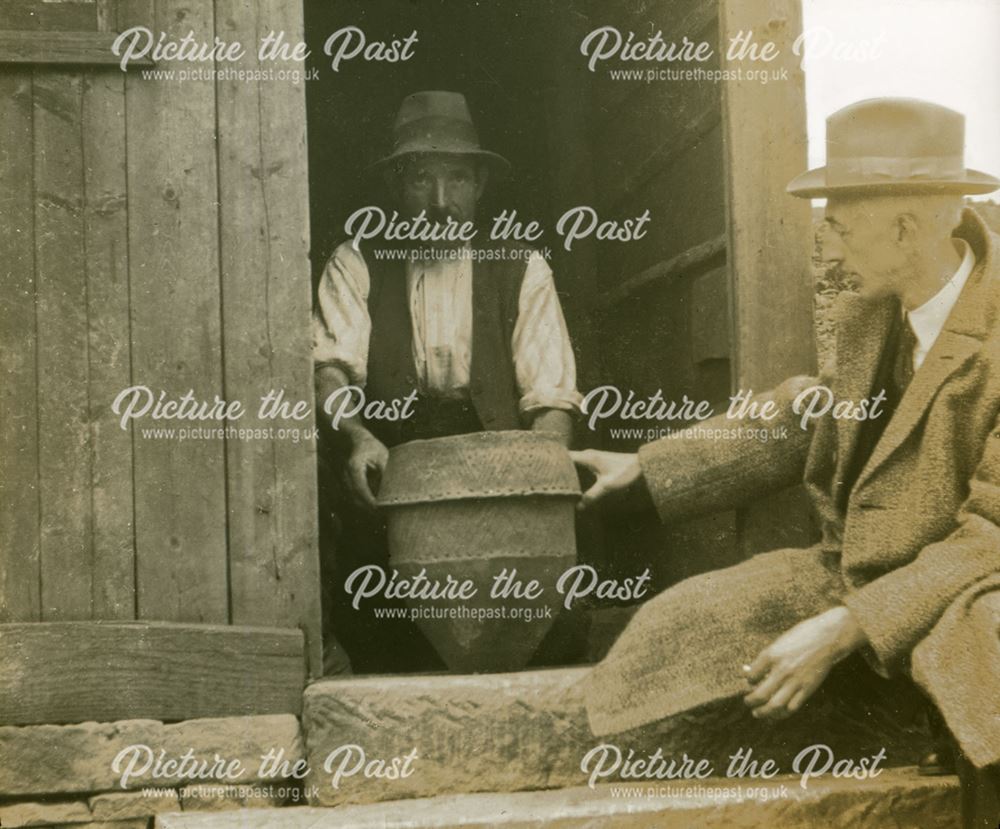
493, 391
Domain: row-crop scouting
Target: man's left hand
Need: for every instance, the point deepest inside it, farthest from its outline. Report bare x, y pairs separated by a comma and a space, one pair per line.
790, 669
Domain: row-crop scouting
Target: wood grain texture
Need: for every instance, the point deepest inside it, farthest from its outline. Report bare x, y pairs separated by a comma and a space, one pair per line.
86, 48
108, 346
176, 338
770, 239
271, 483
19, 520
694, 258
770, 232
65, 672
46, 16
63, 406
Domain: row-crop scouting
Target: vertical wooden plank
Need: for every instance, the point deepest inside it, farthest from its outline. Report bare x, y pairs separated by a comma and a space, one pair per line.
263, 194
63, 406
19, 522
180, 526
770, 235
106, 233
107, 15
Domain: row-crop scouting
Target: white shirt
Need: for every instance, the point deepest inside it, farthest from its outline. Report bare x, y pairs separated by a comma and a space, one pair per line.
440, 295
928, 320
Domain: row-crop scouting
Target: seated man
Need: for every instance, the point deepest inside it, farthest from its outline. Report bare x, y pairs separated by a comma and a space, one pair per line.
908, 499
480, 340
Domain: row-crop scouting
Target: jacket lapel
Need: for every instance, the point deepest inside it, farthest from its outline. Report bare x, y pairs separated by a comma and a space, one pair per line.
861, 337
960, 338
948, 353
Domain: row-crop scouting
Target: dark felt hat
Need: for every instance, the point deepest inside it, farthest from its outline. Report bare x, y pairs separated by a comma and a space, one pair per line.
893, 145
438, 122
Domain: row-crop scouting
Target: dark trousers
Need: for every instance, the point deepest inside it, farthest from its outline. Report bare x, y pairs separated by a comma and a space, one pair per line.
980, 793
980, 788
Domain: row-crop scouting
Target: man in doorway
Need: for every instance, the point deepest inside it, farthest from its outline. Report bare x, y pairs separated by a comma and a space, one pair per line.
476, 341
908, 499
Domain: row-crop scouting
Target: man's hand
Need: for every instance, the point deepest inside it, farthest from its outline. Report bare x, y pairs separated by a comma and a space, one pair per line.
615, 471
790, 669
364, 469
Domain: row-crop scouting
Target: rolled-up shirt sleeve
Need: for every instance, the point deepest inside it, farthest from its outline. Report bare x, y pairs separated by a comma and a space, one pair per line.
341, 325
543, 356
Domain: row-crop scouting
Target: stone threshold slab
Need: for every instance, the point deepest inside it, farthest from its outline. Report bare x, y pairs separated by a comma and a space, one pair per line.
529, 730
898, 797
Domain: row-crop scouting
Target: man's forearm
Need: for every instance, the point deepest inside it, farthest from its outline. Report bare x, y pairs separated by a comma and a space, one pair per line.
721, 465
350, 431
555, 422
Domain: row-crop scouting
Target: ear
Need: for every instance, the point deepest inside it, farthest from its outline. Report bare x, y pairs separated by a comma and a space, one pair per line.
482, 177
906, 228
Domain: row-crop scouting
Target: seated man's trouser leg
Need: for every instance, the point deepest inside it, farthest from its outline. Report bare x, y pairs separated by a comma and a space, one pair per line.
980, 793
685, 647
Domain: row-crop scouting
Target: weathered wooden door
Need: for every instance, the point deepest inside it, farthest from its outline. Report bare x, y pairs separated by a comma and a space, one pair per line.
154, 233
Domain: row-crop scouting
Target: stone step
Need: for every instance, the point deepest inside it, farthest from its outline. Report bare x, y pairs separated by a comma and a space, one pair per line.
896, 799
81, 758
528, 730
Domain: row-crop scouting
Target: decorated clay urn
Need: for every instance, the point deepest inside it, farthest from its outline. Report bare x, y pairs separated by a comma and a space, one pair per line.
495, 509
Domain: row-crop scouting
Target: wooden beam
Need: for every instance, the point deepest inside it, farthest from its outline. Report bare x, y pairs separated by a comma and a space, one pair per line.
105, 219
173, 262
92, 48
636, 173
64, 459
19, 519
67, 672
700, 256
266, 307
770, 233
770, 236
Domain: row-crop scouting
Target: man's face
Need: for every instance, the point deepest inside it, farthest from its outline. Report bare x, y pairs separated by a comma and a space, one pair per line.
864, 239
443, 185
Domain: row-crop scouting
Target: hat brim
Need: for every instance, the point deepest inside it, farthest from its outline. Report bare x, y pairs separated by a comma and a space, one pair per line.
812, 185
498, 165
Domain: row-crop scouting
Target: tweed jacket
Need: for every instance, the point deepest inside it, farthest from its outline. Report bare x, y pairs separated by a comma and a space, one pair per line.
920, 527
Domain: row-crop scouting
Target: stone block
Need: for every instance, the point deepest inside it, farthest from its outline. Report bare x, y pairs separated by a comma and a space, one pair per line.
127, 805
529, 730
208, 797
65, 759
899, 798
16, 815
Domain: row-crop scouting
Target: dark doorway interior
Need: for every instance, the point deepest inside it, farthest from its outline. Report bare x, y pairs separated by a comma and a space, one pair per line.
490, 52
500, 55
574, 137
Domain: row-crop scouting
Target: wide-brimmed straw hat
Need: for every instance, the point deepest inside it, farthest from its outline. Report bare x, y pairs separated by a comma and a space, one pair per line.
893, 145
438, 122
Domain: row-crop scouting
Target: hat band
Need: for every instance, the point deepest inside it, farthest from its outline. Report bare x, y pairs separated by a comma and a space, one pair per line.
434, 131
932, 167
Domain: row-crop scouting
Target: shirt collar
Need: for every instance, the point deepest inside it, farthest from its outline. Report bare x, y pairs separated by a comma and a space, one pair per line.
928, 320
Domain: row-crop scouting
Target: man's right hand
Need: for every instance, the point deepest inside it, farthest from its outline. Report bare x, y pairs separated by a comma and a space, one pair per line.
615, 472
365, 466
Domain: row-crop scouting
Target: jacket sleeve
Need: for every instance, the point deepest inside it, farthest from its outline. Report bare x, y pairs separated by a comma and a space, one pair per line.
718, 466
899, 609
